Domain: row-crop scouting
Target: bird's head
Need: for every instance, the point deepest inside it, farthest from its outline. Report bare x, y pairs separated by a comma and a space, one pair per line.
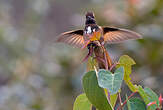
90, 18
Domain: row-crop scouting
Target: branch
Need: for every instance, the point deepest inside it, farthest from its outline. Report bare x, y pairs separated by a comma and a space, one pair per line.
120, 100
120, 107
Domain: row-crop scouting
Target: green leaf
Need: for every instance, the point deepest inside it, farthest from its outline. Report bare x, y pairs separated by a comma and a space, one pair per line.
94, 93
111, 81
148, 96
126, 60
127, 63
152, 96
143, 95
113, 99
91, 64
136, 104
82, 103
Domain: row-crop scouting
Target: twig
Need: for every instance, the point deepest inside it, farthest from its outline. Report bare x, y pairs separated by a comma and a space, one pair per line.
108, 95
126, 100
113, 65
120, 100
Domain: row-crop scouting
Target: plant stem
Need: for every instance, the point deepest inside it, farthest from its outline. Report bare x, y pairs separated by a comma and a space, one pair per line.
113, 66
120, 100
120, 107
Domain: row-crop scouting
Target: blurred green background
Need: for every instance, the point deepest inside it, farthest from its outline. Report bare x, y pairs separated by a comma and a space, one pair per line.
37, 74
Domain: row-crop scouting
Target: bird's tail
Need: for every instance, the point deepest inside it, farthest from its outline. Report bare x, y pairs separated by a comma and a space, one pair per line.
102, 56
108, 59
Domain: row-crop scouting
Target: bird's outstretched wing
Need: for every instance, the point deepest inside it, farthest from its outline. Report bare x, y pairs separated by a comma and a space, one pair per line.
117, 35
74, 38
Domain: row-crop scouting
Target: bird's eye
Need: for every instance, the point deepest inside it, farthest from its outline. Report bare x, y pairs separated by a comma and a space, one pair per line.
94, 30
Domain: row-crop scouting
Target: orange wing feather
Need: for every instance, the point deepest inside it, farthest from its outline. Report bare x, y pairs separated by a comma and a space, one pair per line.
74, 38
116, 35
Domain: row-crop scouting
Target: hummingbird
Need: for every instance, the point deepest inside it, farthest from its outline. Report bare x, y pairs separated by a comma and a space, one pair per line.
94, 37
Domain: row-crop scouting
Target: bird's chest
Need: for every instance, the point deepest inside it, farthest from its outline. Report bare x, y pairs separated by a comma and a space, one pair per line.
92, 33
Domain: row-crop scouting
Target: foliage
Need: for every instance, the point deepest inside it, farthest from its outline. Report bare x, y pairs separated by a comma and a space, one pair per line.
136, 104
82, 103
127, 63
111, 81
102, 87
94, 93
149, 96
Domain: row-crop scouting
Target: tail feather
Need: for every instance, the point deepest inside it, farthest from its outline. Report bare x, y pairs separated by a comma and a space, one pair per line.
101, 53
109, 61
